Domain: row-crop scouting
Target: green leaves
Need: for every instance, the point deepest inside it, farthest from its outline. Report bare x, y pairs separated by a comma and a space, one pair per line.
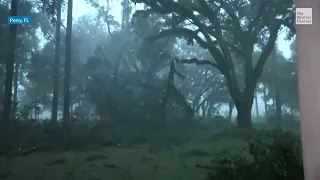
287, 77
272, 155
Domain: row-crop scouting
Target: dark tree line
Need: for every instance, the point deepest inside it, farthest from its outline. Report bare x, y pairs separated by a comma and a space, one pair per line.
234, 40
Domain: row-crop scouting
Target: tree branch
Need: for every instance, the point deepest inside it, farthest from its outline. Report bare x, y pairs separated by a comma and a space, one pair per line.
257, 17
267, 50
188, 33
289, 25
169, 6
212, 15
234, 19
237, 50
198, 62
180, 32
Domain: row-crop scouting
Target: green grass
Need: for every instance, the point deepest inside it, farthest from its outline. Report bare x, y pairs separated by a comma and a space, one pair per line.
139, 162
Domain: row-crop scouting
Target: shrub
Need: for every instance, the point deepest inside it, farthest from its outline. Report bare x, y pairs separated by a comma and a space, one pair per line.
278, 157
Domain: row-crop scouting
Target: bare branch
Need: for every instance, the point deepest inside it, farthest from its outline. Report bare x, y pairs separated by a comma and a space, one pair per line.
107, 20
48, 36
198, 62
188, 33
64, 27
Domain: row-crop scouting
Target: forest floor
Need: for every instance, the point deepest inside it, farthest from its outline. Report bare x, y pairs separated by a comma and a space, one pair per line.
136, 162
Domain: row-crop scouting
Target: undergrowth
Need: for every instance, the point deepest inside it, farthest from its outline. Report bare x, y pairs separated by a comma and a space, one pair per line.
271, 155
178, 152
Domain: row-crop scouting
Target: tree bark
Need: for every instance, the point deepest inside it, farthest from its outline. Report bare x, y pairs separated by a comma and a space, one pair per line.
278, 101
210, 109
257, 105
292, 113
265, 102
15, 88
244, 113
9, 69
67, 66
56, 67
231, 106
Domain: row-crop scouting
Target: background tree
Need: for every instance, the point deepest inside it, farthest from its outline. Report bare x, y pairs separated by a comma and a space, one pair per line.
287, 85
9, 69
56, 66
231, 38
67, 67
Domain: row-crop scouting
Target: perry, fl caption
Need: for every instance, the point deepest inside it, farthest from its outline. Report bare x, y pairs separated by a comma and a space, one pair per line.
19, 19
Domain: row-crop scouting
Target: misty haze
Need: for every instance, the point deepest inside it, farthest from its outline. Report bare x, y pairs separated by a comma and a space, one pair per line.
149, 89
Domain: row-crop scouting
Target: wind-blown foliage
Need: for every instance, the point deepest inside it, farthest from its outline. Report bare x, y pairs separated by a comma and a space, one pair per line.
237, 26
150, 91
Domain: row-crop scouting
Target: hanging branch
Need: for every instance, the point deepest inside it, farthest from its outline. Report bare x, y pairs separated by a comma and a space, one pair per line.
167, 92
107, 20
171, 87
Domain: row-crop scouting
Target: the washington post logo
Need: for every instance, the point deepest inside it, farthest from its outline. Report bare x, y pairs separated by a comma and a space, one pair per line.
19, 19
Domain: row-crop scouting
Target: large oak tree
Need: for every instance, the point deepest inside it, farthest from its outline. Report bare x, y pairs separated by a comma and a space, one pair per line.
229, 30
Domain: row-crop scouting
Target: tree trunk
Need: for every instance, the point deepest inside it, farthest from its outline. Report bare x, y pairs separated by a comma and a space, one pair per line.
9, 68
2, 79
210, 109
278, 104
35, 110
56, 67
35, 103
203, 110
265, 102
67, 66
231, 106
71, 104
257, 105
292, 113
206, 110
244, 114
278, 101
15, 88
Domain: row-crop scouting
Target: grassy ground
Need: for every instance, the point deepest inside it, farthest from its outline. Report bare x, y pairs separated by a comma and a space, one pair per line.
138, 162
